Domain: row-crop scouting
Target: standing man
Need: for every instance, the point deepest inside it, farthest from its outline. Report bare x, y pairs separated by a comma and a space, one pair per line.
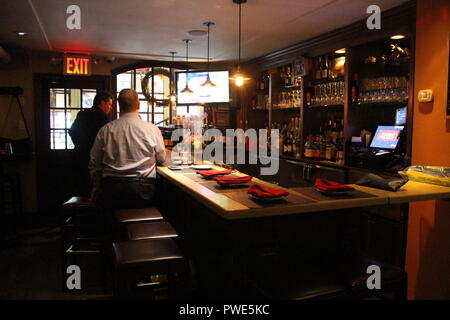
124, 157
83, 132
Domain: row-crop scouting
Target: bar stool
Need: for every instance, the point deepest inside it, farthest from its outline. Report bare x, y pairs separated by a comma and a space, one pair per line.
81, 233
353, 272
150, 230
125, 217
137, 215
136, 261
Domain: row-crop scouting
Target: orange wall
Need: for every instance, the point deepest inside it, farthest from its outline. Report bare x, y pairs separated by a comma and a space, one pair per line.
428, 252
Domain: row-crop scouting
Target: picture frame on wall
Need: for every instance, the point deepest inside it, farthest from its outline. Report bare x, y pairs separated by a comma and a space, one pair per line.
299, 67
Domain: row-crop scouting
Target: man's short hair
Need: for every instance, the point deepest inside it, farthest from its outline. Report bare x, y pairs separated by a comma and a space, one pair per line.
128, 100
101, 96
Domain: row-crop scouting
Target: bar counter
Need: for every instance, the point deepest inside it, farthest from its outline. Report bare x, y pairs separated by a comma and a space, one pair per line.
234, 203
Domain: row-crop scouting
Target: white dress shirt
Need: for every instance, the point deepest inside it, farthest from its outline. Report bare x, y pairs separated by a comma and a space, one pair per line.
126, 147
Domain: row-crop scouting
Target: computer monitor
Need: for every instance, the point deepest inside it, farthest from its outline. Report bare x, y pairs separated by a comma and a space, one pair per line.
400, 116
386, 137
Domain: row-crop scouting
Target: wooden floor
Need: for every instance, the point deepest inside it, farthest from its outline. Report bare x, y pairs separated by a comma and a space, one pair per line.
30, 268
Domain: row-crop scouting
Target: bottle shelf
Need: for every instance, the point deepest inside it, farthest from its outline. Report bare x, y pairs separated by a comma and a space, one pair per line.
401, 103
331, 106
286, 109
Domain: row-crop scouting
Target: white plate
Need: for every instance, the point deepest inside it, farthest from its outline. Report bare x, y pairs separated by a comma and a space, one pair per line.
176, 168
201, 167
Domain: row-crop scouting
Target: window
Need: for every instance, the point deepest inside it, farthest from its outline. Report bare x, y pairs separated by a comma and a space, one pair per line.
65, 104
158, 84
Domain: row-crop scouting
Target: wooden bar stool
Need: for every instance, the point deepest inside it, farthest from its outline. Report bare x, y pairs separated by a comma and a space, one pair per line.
81, 233
137, 215
145, 263
353, 272
150, 230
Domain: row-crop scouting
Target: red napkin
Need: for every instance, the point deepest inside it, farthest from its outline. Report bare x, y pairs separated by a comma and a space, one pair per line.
265, 192
233, 180
331, 186
214, 173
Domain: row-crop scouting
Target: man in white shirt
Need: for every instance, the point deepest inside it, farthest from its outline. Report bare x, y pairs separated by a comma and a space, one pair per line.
124, 157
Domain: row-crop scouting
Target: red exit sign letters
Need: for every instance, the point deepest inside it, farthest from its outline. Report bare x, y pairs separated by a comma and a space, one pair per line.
77, 65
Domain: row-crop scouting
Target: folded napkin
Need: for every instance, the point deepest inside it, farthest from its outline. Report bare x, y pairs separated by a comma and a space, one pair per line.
232, 180
265, 192
214, 173
331, 186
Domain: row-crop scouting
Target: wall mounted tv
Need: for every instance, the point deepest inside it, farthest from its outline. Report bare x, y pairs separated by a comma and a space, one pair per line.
201, 95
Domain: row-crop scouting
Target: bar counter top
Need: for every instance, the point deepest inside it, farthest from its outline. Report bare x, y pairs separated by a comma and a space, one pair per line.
235, 203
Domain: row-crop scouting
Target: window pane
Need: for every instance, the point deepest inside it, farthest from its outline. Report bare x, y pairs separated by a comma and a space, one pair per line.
70, 144
159, 117
143, 107
124, 81
181, 111
74, 98
56, 98
144, 116
162, 82
57, 139
196, 110
57, 119
71, 116
88, 97
158, 96
140, 74
159, 107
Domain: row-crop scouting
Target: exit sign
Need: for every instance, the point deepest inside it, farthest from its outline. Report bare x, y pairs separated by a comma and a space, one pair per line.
77, 65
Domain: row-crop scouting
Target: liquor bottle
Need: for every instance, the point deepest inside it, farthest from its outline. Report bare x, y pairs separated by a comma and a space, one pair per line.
308, 95
316, 147
323, 147
355, 88
308, 147
319, 68
324, 68
334, 133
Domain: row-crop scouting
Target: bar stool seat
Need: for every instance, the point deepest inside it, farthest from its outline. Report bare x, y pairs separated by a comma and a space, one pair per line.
78, 202
150, 230
136, 261
137, 215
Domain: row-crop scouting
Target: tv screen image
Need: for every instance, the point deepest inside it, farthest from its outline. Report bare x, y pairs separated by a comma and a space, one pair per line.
200, 95
386, 137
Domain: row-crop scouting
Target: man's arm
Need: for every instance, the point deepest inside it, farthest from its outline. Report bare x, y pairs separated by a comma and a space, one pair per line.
96, 160
75, 130
160, 148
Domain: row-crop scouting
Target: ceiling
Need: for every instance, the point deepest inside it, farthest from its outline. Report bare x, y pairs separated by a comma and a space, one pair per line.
149, 29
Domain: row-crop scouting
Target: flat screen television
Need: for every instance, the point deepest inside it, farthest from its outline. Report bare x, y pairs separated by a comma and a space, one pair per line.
201, 95
386, 137
400, 116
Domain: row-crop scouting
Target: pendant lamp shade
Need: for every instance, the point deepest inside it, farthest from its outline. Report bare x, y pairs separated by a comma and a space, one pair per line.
208, 82
238, 77
186, 89
172, 95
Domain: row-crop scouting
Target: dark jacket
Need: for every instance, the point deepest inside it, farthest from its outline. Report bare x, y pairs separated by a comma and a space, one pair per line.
83, 132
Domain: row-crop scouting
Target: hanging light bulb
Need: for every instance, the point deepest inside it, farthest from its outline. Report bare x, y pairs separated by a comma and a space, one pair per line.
238, 77
208, 82
172, 95
186, 89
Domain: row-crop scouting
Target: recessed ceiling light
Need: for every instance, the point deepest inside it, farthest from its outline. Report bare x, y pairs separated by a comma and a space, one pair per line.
397, 36
340, 51
197, 33
21, 33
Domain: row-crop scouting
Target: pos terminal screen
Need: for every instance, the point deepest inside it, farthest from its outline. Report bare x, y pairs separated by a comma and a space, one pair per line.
386, 137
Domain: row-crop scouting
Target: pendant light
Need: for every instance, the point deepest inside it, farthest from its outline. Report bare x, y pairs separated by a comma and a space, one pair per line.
208, 82
186, 89
238, 77
172, 95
